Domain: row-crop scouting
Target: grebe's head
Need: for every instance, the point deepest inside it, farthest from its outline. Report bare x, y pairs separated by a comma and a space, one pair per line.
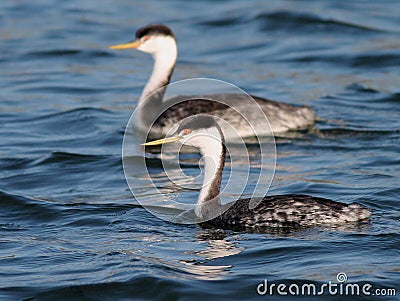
200, 131
154, 39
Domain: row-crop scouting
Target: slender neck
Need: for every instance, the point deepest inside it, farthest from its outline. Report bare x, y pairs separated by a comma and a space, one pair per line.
214, 160
152, 96
159, 78
164, 63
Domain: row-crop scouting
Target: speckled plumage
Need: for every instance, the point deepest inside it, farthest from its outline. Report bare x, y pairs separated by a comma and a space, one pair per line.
281, 117
291, 210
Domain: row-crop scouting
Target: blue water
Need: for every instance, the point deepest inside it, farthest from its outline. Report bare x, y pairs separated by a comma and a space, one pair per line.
70, 228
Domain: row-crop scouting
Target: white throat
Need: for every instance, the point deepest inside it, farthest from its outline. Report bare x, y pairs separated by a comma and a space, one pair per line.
211, 149
165, 52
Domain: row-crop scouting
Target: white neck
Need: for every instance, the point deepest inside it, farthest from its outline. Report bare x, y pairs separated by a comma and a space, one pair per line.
214, 159
164, 52
210, 168
164, 55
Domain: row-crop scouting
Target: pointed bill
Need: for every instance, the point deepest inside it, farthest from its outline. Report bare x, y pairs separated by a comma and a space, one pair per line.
163, 141
133, 44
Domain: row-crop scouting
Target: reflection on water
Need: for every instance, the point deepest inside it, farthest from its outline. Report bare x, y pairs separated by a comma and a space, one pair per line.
215, 246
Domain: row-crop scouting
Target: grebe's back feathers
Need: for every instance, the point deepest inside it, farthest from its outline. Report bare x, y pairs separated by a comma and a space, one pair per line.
291, 210
281, 116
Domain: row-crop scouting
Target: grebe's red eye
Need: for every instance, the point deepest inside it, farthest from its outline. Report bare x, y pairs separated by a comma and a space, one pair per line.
186, 131
145, 38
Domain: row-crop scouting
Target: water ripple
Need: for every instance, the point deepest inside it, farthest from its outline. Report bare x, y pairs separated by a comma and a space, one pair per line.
309, 23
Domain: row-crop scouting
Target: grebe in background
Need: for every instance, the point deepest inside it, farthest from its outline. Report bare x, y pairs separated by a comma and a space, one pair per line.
291, 210
160, 42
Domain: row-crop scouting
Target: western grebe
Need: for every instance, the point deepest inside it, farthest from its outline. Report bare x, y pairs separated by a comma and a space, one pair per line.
152, 111
291, 210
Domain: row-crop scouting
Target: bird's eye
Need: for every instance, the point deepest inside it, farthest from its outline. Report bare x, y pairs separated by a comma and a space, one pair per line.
186, 131
145, 38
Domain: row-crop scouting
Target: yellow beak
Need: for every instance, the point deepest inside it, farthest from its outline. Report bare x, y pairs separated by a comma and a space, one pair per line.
134, 44
163, 141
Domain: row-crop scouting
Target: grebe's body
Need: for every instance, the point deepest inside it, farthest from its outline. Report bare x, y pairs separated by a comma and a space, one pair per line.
291, 210
281, 117
160, 42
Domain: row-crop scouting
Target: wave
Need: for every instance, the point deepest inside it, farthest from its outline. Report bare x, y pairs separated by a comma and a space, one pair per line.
348, 132
228, 21
18, 208
71, 158
147, 286
80, 113
309, 23
64, 89
293, 21
87, 121
143, 287
365, 61
55, 53
77, 113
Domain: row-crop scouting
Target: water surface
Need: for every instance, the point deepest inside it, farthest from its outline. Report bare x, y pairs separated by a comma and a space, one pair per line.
70, 228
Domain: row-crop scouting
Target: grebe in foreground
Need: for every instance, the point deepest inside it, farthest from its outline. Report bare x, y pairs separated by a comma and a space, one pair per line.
152, 112
291, 210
